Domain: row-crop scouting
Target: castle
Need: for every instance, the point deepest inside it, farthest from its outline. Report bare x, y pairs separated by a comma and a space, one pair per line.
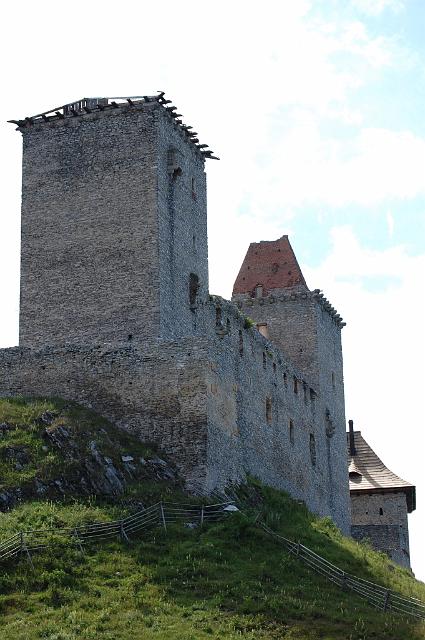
116, 314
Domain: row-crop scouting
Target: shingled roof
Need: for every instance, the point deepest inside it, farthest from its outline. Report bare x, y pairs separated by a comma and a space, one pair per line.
271, 264
368, 474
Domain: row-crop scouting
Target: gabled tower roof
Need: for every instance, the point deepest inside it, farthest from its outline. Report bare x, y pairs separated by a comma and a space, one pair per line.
368, 474
271, 264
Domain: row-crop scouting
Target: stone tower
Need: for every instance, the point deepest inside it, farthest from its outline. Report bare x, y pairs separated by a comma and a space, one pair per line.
114, 228
270, 288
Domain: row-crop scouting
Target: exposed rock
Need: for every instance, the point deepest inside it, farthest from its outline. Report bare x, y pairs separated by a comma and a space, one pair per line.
116, 484
4, 428
47, 417
95, 452
7, 500
17, 454
159, 461
85, 461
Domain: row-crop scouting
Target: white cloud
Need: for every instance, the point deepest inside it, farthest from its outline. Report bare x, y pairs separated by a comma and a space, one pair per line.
369, 167
390, 224
376, 7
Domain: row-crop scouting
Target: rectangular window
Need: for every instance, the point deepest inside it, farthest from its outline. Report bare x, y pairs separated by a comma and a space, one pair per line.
269, 409
291, 432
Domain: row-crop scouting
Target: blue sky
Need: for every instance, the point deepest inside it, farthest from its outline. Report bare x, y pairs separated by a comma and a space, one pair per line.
316, 111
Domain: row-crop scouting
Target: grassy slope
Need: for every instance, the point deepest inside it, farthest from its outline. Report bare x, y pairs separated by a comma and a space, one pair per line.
226, 581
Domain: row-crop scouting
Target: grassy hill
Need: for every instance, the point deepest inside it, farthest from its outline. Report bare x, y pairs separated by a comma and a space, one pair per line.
226, 580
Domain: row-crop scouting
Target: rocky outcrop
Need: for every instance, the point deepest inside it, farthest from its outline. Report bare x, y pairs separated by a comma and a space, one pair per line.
66, 458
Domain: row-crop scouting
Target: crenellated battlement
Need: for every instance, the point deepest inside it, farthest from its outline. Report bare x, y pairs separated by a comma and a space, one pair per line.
288, 296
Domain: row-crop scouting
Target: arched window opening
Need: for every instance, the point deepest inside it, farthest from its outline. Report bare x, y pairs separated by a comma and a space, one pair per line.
264, 360
381, 511
291, 432
295, 385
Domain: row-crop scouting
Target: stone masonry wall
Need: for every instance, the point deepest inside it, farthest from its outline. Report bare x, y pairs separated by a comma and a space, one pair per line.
183, 244
89, 257
266, 419
221, 406
299, 323
157, 392
331, 390
382, 518
110, 235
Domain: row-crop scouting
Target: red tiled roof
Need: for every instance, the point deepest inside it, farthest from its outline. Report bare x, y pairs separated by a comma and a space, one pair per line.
271, 264
368, 474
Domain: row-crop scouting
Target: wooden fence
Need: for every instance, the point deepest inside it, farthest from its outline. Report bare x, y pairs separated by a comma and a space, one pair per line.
25, 543
377, 595
163, 514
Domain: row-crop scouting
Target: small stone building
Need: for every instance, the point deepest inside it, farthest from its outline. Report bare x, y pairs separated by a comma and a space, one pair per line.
380, 501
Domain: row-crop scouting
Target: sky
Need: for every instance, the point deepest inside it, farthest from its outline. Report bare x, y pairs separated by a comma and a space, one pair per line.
316, 111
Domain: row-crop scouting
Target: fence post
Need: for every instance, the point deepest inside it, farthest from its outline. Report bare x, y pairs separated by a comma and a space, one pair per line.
163, 516
78, 540
202, 515
387, 600
123, 534
344, 581
25, 548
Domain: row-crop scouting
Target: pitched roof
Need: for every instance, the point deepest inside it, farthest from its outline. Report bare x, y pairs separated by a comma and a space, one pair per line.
368, 474
270, 263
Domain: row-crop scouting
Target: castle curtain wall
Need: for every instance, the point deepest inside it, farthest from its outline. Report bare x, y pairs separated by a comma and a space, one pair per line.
157, 393
252, 404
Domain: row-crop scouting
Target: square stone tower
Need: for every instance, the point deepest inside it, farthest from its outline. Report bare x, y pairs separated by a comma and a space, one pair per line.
114, 227
270, 288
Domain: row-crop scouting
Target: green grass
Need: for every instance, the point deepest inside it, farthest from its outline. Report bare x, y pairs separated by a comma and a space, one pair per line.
228, 580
